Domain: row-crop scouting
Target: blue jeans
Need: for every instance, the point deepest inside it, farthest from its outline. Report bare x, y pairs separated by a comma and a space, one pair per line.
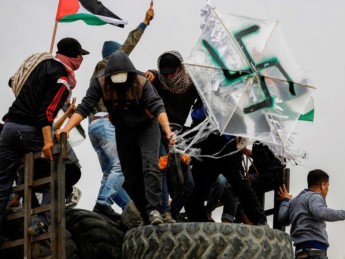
102, 137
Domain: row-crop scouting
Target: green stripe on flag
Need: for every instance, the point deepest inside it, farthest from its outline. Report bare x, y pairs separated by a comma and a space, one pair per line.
309, 116
89, 19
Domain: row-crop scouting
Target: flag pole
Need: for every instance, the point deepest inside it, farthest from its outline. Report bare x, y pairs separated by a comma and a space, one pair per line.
151, 7
53, 37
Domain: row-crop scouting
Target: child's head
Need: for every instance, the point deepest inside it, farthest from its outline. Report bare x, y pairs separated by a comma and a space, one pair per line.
320, 179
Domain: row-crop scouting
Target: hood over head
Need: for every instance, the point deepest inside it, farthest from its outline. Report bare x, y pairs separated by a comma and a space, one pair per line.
119, 62
169, 61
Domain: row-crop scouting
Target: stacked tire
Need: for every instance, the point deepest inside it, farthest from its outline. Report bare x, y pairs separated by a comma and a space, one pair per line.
206, 240
96, 236
93, 236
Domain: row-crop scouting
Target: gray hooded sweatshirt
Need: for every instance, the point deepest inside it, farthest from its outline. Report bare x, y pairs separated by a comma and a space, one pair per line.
307, 213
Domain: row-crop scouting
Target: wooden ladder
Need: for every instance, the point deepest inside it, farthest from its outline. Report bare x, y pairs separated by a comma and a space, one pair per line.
57, 229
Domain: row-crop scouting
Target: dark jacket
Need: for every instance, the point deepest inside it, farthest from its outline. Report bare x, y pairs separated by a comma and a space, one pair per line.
140, 104
264, 159
177, 106
127, 47
42, 95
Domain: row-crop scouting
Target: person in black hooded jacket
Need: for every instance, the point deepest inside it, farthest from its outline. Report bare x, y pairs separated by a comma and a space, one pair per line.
136, 110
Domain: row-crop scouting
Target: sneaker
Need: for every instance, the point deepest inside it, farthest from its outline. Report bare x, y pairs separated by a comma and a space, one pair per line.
167, 218
155, 217
182, 217
73, 199
37, 228
106, 211
227, 218
262, 223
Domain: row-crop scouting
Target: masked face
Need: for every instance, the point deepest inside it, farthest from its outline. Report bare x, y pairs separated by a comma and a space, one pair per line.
76, 62
120, 81
119, 77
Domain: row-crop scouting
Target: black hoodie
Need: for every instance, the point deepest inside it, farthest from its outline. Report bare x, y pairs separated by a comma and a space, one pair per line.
141, 103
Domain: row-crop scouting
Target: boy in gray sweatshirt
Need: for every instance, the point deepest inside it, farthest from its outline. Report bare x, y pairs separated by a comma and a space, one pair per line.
307, 213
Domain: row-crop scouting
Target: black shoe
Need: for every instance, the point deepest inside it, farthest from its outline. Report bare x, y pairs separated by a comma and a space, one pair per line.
3, 239
37, 228
106, 211
182, 217
262, 223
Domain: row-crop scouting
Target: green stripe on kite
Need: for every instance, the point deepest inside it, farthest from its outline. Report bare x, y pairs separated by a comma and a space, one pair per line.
309, 116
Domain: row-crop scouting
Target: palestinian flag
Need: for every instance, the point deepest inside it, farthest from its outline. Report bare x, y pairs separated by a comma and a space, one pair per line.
92, 12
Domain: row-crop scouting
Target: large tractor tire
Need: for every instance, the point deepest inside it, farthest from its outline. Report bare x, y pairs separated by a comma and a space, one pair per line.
95, 235
41, 249
206, 240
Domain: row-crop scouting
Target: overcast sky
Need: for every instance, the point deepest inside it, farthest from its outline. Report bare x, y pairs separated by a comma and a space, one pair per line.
313, 29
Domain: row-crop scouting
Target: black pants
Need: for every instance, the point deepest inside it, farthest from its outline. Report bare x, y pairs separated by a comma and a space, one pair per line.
15, 140
42, 169
223, 192
206, 172
139, 154
311, 254
267, 180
